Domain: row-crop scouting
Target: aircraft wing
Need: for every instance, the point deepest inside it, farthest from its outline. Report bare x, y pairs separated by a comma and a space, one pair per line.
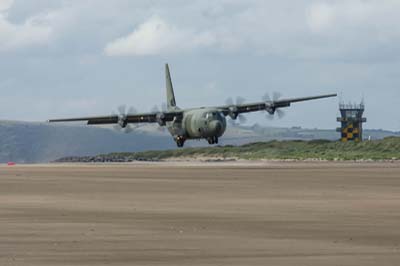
155, 117
269, 106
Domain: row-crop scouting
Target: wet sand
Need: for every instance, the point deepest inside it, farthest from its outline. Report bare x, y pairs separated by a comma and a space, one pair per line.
201, 214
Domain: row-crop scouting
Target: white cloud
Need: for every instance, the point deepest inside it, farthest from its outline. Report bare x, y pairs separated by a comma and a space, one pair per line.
302, 29
156, 36
34, 30
356, 16
353, 30
326, 16
5, 4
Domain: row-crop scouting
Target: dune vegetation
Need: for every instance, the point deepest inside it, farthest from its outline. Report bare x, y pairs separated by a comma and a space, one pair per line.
386, 149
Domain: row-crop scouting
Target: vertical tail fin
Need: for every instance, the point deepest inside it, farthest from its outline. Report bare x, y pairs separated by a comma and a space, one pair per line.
171, 103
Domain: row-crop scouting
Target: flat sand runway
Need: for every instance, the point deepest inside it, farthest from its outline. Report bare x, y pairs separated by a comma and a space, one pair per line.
211, 214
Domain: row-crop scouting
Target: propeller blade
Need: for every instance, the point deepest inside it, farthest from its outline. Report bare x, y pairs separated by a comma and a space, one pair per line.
122, 113
232, 122
266, 98
155, 109
242, 119
122, 109
117, 127
280, 113
131, 111
240, 100
128, 129
229, 101
276, 95
270, 117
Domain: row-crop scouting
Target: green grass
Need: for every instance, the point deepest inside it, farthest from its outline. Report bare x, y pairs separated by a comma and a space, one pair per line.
386, 149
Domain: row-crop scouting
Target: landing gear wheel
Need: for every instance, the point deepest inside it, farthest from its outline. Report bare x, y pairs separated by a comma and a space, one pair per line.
212, 140
180, 141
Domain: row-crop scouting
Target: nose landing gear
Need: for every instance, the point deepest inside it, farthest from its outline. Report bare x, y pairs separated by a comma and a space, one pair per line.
213, 140
180, 141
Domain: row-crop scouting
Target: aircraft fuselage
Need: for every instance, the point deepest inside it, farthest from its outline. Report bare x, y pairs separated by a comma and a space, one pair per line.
204, 123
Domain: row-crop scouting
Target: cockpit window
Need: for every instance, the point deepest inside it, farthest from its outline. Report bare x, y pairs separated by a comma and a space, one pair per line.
210, 115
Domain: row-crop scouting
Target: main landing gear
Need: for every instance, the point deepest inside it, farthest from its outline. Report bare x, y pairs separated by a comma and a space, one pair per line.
213, 140
180, 141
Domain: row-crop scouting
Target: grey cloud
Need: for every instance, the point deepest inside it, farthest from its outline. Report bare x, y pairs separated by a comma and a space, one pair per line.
241, 47
309, 30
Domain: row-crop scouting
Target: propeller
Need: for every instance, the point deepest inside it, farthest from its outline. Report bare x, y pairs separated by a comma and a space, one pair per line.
157, 109
123, 112
270, 108
160, 116
275, 97
233, 114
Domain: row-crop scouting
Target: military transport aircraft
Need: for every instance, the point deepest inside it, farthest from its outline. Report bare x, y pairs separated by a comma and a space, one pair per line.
196, 123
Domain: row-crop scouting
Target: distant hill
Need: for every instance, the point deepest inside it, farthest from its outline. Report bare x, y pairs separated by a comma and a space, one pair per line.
386, 149
25, 142
40, 142
259, 133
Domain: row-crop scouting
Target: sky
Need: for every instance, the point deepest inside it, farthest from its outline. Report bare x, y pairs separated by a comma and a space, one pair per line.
62, 58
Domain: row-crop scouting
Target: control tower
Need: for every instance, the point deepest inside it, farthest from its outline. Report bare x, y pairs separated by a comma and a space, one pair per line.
351, 122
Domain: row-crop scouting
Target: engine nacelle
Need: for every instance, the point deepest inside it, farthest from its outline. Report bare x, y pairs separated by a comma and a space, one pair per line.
233, 112
122, 121
271, 110
161, 119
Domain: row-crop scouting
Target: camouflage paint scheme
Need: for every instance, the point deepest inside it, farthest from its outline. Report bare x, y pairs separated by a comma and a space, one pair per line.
198, 123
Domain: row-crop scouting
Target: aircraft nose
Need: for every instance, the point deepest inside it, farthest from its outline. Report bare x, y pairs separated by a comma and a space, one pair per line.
218, 126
